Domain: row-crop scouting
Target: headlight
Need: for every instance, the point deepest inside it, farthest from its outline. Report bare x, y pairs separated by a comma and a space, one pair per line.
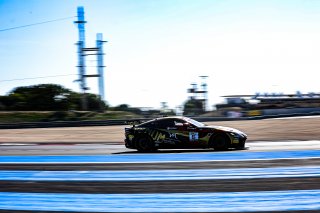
235, 135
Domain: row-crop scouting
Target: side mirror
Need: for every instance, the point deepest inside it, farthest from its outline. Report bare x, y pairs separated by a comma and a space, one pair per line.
179, 125
186, 124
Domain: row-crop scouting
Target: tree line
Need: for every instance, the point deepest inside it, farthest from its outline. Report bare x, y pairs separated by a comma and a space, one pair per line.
47, 97
54, 97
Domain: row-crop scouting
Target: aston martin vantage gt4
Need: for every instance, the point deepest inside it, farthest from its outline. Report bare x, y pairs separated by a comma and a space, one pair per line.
181, 133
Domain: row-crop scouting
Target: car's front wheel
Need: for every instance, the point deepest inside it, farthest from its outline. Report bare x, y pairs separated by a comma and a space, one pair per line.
145, 144
220, 142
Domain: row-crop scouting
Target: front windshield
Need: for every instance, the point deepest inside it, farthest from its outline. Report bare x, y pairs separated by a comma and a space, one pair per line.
194, 122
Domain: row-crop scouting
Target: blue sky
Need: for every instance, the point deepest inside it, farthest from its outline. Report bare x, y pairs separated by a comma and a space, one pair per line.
157, 48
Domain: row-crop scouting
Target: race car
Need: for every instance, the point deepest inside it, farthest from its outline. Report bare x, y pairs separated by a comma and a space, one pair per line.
179, 132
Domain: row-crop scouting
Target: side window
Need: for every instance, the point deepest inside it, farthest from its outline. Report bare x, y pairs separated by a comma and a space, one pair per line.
163, 124
178, 122
184, 123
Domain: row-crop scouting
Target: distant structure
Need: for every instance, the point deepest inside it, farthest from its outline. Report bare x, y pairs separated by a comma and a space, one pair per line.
204, 93
83, 51
200, 94
271, 103
100, 55
81, 61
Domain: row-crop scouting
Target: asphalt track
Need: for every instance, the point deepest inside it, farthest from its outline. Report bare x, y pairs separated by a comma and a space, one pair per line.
22, 149
268, 177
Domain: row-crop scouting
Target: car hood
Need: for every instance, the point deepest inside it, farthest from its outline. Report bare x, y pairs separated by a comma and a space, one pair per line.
226, 129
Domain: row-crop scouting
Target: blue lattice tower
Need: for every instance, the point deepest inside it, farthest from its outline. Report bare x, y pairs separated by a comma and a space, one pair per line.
81, 60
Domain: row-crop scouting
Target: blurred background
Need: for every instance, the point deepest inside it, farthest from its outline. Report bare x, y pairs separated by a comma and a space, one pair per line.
119, 59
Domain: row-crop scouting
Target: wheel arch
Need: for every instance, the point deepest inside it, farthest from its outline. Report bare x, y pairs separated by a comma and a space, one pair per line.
217, 134
149, 138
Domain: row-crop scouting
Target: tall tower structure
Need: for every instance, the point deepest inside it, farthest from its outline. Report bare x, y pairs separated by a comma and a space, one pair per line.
83, 51
201, 93
204, 91
81, 60
100, 65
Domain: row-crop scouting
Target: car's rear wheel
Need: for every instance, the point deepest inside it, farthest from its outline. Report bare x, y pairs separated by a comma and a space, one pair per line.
220, 142
145, 144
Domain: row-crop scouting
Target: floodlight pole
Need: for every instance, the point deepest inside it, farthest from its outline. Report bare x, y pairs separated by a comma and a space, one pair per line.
205, 91
100, 65
81, 64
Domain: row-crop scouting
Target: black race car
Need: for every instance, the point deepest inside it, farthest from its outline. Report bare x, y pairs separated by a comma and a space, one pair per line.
181, 133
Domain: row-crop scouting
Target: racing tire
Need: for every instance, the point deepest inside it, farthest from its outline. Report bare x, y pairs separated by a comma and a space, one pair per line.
221, 142
144, 144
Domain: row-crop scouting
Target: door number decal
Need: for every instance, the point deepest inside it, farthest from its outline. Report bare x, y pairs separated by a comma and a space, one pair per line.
194, 136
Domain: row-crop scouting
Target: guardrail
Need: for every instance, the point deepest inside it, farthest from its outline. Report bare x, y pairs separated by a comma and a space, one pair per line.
123, 121
61, 124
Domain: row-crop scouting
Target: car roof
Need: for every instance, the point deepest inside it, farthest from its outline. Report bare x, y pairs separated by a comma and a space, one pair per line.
166, 118
170, 117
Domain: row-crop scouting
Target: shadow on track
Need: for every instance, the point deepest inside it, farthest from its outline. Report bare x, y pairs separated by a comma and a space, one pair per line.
166, 151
